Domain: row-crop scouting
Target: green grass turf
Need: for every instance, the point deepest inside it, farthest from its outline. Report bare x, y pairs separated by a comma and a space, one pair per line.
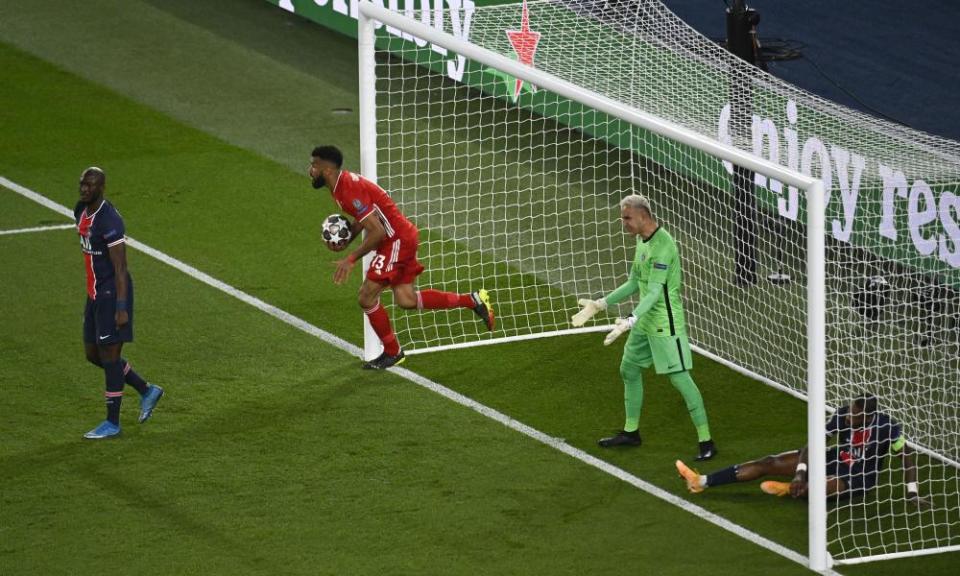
277, 463
16, 214
212, 198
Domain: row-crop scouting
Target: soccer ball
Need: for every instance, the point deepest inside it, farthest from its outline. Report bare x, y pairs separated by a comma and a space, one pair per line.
336, 231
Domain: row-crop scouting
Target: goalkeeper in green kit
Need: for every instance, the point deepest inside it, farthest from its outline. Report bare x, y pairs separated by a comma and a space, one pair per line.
658, 332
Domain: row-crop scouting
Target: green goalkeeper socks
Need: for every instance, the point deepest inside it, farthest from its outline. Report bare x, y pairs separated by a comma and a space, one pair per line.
632, 395
694, 401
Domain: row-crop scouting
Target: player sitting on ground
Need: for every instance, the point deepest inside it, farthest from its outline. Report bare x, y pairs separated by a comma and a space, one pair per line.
395, 240
865, 437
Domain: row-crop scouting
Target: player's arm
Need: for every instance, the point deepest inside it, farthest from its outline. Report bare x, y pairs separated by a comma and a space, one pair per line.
355, 229
375, 233
660, 263
118, 256
653, 294
624, 291
590, 308
909, 472
798, 486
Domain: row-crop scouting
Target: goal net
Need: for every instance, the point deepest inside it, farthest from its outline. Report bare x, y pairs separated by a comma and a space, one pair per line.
515, 188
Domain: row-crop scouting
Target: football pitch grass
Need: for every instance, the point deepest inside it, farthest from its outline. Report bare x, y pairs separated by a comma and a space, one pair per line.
272, 452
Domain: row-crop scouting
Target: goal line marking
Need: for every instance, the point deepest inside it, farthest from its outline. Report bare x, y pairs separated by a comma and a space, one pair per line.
36, 229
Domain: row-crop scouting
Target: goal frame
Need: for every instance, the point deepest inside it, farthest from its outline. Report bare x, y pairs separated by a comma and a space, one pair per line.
812, 188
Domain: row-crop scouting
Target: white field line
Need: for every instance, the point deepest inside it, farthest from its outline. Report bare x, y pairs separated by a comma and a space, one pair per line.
36, 229
555, 443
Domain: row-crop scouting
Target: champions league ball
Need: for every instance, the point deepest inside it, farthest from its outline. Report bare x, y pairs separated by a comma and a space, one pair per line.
336, 231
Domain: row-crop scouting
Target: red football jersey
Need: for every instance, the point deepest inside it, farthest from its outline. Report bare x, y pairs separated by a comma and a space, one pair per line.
360, 198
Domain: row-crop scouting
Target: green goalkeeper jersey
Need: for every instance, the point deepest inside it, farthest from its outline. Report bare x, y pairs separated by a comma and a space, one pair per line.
656, 274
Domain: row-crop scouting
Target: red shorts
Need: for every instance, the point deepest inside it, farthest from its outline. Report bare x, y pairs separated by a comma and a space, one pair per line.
395, 262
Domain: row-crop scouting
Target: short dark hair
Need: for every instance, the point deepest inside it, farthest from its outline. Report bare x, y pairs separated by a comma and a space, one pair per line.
100, 174
329, 153
867, 403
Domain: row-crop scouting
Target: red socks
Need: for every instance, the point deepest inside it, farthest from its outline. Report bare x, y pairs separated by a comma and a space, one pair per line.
380, 322
437, 300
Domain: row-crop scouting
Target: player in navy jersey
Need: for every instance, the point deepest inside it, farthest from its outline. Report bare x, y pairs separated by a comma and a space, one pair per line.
108, 316
394, 240
865, 437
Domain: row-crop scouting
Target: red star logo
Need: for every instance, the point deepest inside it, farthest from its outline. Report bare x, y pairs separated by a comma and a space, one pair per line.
524, 43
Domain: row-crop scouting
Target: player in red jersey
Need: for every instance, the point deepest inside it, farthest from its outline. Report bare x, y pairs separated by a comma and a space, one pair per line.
395, 240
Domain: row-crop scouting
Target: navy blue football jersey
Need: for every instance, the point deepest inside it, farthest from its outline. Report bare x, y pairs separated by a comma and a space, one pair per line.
865, 449
98, 232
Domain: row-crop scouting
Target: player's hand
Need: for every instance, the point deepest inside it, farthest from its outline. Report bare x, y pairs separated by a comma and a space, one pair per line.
590, 309
343, 270
798, 487
916, 501
121, 317
619, 327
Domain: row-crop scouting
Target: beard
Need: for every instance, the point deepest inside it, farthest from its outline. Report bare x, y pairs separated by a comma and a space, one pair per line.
319, 182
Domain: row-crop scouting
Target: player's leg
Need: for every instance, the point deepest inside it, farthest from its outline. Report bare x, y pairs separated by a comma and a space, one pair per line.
479, 302
109, 340
90, 333
672, 357
784, 464
430, 299
844, 480
109, 355
839, 477
636, 357
132, 379
835, 486
683, 383
97, 328
405, 296
408, 268
150, 394
92, 353
840, 486
369, 300
411, 298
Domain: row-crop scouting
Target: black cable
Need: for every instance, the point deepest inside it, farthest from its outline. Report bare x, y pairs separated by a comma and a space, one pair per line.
782, 50
852, 96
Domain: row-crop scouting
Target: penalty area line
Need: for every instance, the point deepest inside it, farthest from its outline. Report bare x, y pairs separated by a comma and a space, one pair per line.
513, 424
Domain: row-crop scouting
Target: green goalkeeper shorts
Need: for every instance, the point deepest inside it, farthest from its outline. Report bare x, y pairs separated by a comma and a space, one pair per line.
668, 354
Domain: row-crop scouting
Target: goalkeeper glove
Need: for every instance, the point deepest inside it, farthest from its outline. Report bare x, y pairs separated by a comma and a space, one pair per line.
590, 308
619, 327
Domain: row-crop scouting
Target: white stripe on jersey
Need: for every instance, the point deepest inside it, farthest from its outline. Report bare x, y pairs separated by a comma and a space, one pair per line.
386, 223
102, 204
394, 255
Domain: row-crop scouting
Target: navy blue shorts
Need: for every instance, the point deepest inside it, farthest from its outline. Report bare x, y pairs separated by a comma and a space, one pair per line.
857, 480
99, 323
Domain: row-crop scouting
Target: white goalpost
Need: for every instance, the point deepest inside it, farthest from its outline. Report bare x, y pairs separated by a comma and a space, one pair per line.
821, 247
